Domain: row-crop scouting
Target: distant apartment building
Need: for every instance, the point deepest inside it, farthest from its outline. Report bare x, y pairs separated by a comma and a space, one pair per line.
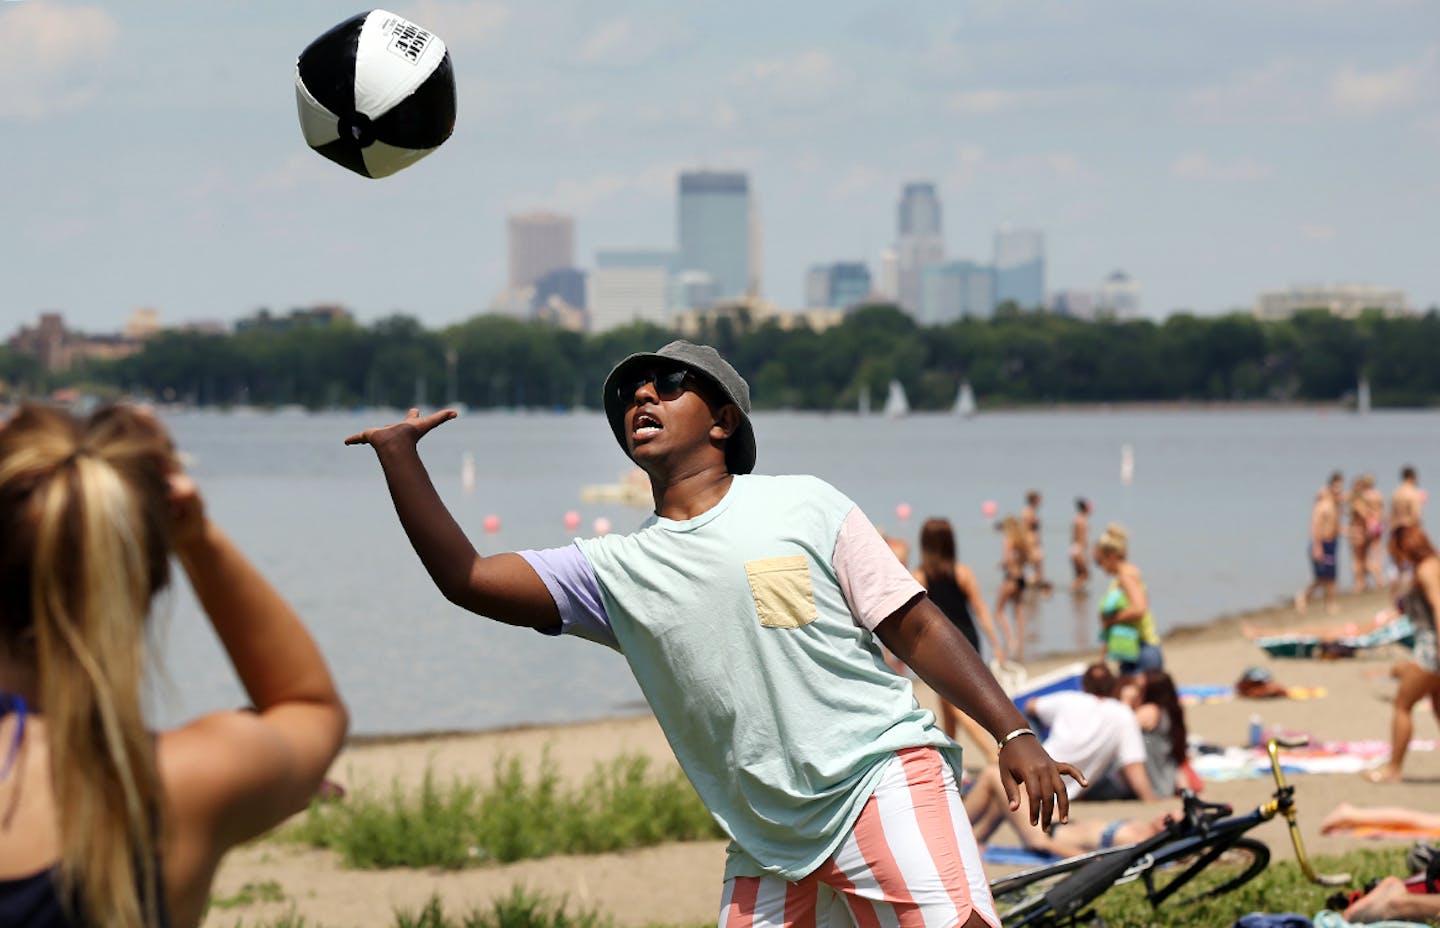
751, 312
1118, 297
956, 290
565, 284
841, 285
539, 241
1344, 300
920, 240
310, 317
58, 348
717, 231
618, 295
1073, 302
1020, 267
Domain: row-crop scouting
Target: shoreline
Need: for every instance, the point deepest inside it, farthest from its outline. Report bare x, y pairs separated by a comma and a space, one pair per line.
1349, 702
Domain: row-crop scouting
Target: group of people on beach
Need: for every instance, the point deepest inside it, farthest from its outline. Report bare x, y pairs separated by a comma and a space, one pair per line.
755, 612
1359, 513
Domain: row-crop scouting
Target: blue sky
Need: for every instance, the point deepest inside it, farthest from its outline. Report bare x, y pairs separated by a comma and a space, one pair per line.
152, 155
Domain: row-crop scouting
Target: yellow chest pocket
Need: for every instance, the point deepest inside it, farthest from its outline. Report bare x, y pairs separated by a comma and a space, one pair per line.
781, 589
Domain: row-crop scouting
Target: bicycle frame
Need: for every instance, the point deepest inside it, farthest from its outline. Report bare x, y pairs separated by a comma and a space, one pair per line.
1200, 831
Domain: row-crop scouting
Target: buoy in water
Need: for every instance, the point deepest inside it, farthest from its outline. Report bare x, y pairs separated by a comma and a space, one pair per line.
989, 508
601, 526
572, 520
491, 524
902, 511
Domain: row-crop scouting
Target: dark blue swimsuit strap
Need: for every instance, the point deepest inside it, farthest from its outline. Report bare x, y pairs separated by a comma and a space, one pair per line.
10, 703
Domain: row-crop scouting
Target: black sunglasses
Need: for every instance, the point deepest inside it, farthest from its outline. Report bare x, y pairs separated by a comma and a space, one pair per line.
668, 384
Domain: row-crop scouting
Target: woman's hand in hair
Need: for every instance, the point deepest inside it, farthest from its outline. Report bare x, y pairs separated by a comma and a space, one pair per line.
187, 511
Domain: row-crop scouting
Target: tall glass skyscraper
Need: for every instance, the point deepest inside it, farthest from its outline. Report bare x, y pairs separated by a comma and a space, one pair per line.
717, 232
920, 241
1020, 267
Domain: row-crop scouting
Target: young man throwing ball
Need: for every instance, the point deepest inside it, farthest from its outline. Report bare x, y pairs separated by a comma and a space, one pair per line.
751, 611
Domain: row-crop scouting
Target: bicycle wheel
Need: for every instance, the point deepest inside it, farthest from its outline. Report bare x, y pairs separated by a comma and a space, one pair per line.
1238, 864
1017, 896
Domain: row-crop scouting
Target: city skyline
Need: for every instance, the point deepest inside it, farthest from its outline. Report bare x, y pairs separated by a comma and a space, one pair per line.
156, 160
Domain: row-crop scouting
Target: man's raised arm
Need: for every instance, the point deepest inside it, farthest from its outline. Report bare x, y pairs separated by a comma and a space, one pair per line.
503, 587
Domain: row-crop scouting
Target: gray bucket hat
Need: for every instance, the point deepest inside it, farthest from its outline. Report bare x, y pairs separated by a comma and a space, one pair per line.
702, 360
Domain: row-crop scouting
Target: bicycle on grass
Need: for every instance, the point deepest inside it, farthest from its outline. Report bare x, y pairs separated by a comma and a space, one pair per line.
1203, 853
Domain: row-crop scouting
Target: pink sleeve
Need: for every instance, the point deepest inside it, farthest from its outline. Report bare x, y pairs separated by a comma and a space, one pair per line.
872, 578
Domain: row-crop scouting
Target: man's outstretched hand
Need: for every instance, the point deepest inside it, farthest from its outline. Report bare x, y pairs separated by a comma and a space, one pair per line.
409, 430
1024, 762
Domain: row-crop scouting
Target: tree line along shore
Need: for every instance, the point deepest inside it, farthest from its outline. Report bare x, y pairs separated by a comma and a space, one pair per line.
1019, 357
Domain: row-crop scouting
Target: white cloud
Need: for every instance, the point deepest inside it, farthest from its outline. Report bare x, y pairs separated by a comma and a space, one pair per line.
1317, 232
1202, 168
799, 80
50, 56
477, 23
1281, 89
995, 100
1365, 92
622, 43
969, 160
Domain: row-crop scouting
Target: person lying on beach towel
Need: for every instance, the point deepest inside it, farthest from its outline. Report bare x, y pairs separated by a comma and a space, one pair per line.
1396, 821
1391, 900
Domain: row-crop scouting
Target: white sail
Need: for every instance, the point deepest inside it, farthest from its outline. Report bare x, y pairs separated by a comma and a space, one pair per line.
896, 403
1362, 396
964, 400
864, 400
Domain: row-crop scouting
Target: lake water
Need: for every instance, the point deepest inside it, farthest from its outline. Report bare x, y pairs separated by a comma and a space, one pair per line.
1217, 511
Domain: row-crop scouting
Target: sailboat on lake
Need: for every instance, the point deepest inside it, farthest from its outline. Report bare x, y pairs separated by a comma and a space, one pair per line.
964, 401
897, 404
1362, 396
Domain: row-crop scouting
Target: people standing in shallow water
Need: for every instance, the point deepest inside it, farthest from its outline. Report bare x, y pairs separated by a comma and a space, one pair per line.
104, 822
952, 586
1324, 539
1014, 555
751, 610
1405, 505
1030, 521
1365, 529
1419, 676
1080, 546
1126, 625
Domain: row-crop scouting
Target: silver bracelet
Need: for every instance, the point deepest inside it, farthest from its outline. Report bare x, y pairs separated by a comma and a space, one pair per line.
1017, 733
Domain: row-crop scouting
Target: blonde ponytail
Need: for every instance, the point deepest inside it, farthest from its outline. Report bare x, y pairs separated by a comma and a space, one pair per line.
83, 509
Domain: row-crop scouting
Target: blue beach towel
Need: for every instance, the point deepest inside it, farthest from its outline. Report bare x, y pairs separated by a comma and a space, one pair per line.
1016, 857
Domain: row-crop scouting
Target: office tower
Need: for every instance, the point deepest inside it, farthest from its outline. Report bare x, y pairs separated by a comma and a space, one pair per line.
817, 286
955, 290
849, 284
539, 241
566, 284
920, 243
1020, 267
717, 234
887, 283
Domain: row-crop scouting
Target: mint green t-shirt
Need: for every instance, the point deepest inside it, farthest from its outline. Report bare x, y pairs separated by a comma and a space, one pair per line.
750, 631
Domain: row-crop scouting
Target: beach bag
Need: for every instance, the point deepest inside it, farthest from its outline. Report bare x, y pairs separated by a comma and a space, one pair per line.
1122, 643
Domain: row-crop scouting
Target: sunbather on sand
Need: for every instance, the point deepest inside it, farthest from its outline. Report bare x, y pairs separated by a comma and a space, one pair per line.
1325, 632
1345, 816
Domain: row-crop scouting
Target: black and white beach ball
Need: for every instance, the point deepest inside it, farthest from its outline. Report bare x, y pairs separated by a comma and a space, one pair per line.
376, 93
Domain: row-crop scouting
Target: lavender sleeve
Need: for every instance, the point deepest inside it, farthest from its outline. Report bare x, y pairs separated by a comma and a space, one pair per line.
572, 584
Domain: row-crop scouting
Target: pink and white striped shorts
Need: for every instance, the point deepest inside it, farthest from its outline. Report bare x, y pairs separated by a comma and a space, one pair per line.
910, 862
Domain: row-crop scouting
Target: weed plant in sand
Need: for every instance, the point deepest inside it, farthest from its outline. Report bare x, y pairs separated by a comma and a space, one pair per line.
512, 818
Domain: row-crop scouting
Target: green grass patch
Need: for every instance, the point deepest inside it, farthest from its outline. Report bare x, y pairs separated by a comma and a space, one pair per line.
1280, 887
513, 817
249, 894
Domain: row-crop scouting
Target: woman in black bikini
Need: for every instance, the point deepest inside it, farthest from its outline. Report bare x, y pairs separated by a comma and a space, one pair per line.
952, 586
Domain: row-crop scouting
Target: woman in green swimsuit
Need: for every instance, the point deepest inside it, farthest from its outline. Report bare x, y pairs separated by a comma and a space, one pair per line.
1126, 626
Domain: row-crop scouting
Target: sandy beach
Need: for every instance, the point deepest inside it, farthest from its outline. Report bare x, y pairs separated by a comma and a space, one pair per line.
679, 883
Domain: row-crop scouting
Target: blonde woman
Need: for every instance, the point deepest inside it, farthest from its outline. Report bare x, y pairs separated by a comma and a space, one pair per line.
1126, 625
1015, 554
104, 822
